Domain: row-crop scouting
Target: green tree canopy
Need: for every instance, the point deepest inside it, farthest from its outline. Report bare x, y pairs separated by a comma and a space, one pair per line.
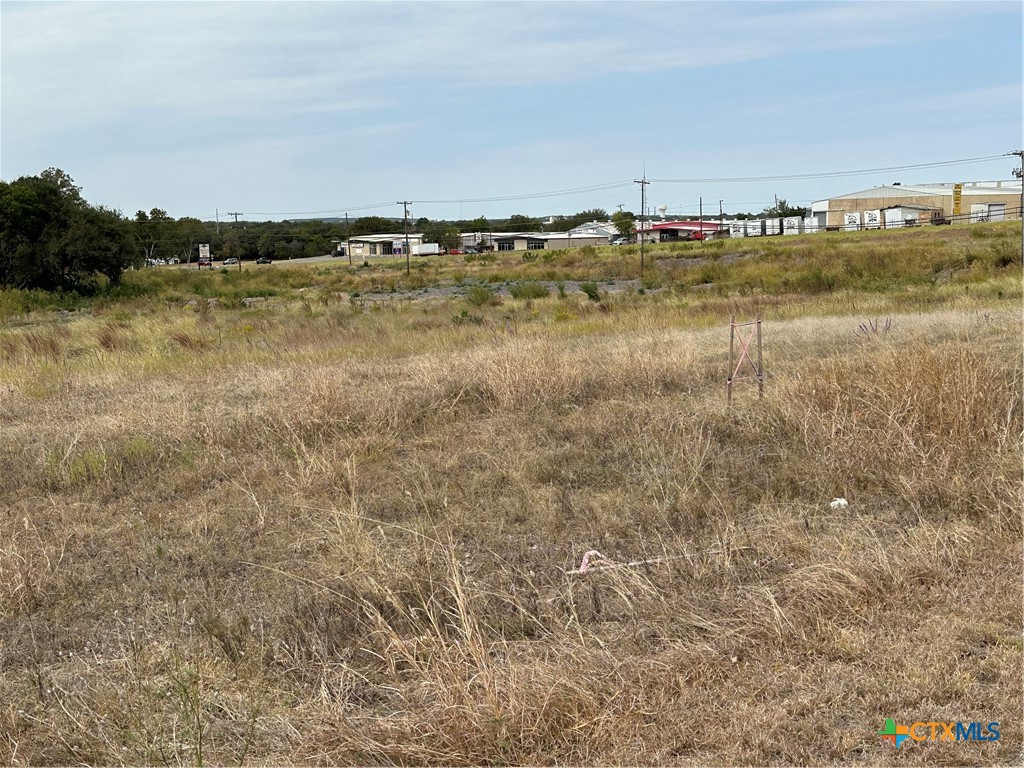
479, 224
153, 232
52, 239
188, 234
444, 234
565, 223
625, 223
517, 222
782, 208
373, 225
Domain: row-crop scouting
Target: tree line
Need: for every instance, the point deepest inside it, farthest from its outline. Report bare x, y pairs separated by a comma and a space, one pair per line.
51, 238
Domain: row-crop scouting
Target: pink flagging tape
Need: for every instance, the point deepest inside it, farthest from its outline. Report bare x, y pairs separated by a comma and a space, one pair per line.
585, 565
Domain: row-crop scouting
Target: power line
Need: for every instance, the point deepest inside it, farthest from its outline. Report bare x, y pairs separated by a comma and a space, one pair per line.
617, 185
339, 209
831, 174
534, 195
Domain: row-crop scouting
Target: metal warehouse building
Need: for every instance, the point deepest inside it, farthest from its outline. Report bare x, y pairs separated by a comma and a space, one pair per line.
896, 205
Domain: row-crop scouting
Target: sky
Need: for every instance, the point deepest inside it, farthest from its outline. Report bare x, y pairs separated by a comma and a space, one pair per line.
286, 110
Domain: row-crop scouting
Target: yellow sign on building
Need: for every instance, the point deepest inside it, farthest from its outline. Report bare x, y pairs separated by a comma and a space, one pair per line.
958, 193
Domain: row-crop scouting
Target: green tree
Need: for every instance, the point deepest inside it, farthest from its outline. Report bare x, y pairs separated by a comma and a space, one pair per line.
153, 233
625, 223
517, 222
782, 208
230, 247
565, 223
373, 225
441, 232
52, 239
479, 224
188, 234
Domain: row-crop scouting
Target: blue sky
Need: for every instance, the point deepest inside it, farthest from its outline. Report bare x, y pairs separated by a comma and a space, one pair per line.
291, 109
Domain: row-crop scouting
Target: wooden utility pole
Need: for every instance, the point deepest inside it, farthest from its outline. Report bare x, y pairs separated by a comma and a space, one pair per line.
405, 208
1019, 173
643, 207
348, 245
236, 215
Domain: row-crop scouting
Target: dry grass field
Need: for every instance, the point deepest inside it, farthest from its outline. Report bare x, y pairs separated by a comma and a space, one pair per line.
321, 531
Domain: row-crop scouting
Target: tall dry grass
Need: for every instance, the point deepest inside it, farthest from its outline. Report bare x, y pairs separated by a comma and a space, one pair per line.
331, 536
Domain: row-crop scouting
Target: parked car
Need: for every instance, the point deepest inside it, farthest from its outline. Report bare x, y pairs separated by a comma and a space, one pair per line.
205, 263
620, 241
230, 262
263, 260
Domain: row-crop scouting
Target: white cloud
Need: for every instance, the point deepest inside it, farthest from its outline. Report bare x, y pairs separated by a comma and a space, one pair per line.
95, 61
273, 83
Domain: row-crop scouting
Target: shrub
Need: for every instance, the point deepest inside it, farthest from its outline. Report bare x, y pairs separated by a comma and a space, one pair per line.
465, 317
529, 290
479, 295
1004, 253
591, 290
818, 281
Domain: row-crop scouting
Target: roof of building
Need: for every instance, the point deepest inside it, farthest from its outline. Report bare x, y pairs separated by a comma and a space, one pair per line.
594, 226
384, 238
690, 226
544, 236
929, 190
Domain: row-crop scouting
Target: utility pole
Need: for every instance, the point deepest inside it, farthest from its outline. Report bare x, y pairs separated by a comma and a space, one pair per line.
348, 245
236, 215
1019, 173
216, 212
721, 219
643, 207
405, 207
701, 204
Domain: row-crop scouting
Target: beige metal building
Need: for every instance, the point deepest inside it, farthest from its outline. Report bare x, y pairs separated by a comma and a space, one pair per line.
545, 241
898, 205
364, 246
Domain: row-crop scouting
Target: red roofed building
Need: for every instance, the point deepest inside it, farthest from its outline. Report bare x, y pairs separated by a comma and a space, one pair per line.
671, 231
